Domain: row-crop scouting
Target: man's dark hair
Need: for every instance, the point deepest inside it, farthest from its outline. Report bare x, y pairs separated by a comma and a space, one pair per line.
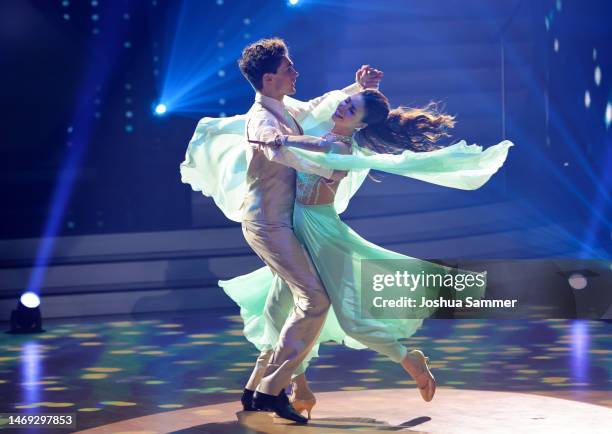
261, 57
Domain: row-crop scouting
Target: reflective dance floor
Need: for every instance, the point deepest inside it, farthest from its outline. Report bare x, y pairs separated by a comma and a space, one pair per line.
185, 372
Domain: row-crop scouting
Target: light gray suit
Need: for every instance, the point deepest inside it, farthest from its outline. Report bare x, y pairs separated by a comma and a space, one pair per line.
267, 227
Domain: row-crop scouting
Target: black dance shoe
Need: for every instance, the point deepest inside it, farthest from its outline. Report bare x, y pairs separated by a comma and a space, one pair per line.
247, 400
279, 404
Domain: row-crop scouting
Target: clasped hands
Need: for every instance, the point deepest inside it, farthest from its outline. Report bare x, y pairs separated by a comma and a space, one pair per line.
368, 77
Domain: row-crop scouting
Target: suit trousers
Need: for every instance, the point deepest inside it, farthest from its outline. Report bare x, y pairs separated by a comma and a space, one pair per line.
277, 246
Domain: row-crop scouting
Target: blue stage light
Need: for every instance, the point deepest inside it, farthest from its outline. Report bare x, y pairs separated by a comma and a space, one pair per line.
293, 2
26, 318
160, 109
30, 299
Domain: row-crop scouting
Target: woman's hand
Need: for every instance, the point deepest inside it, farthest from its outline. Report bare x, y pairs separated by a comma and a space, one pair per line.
368, 77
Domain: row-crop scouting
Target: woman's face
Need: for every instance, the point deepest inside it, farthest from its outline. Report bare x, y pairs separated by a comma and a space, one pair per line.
350, 112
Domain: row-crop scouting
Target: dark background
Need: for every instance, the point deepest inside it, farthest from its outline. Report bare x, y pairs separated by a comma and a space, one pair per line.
83, 153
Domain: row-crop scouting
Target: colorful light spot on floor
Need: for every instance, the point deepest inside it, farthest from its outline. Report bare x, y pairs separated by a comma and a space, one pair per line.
186, 362
88, 409
324, 366
452, 349
510, 328
171, 406
235, 333
154, 353
83, 335
131, 333
39, 383
202, 343
103, 369
47, 404
233, 391
119, 403
94, 376
353, 388
232, 344
169, 326
154, 382
55, 389
122, 352
121, 324
600, 351
370, 380
364, 371
469, 325
205, 390
554, 380
201, 336
91, 344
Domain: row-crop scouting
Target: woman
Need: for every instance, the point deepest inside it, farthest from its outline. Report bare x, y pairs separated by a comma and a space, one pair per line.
365, 131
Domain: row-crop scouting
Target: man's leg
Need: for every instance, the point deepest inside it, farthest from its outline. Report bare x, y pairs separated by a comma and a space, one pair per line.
278, 306
286, 257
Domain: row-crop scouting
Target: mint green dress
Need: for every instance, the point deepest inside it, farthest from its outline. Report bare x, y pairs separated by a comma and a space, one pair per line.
215, 164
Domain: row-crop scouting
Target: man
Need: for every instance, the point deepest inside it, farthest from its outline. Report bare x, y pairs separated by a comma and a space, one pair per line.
267, 218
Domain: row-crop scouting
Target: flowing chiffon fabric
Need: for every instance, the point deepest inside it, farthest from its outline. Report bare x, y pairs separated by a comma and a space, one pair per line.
215, 164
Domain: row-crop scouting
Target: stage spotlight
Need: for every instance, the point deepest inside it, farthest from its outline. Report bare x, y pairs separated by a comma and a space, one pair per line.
160, 109
30, 299
577, 281
293, 2
608, 117
27, 318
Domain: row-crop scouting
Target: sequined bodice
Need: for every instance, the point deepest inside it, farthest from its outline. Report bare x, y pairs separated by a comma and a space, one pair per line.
310, 189
313, 189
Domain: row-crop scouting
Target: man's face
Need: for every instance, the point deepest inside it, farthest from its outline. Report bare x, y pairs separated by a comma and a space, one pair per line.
283, 81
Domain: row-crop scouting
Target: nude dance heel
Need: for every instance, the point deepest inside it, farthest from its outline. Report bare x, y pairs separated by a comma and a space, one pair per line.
415, 363
301, 396
303, 404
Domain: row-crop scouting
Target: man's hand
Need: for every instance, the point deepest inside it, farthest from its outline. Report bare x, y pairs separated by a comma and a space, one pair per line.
368, 77
274, 143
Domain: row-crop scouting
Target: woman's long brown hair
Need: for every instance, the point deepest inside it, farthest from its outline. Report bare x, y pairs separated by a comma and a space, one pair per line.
416, 129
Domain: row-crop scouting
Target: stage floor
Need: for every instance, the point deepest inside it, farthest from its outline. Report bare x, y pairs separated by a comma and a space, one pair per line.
185, 372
